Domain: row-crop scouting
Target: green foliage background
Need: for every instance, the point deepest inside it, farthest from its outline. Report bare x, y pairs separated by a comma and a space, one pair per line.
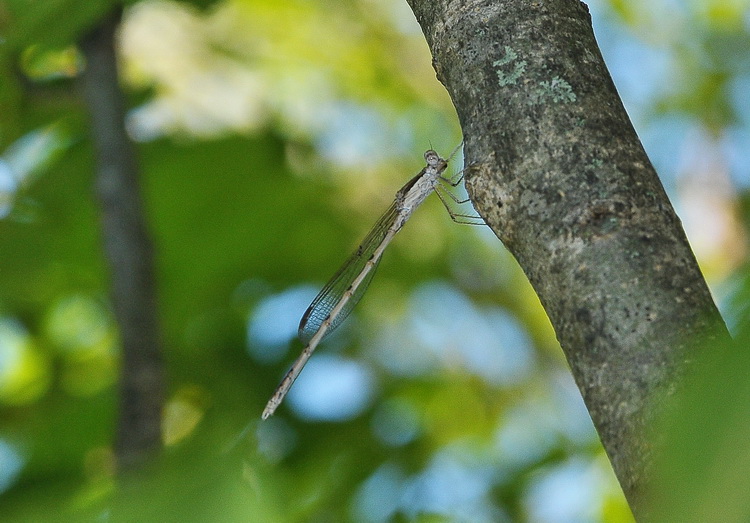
270, 136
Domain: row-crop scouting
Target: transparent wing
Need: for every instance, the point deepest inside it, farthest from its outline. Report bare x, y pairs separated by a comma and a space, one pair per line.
334, 290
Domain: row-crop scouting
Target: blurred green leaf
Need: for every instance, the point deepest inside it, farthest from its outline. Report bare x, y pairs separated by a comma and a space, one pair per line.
52, 23
702, 474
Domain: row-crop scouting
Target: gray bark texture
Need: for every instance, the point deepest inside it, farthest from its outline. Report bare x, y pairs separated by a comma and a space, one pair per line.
128, 249
559, 174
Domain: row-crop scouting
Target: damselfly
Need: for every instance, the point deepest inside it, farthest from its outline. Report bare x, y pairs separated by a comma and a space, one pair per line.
339, 296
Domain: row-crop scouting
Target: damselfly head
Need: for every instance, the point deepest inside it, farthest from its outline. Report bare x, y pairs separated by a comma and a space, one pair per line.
431, 157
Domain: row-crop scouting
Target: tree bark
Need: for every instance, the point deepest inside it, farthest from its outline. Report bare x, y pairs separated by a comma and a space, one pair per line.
557, 171
128, 249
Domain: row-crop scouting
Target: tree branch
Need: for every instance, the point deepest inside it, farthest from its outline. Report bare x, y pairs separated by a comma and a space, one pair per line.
128, 249
561, 177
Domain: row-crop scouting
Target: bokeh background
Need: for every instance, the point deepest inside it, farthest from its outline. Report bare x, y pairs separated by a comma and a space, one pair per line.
271, 135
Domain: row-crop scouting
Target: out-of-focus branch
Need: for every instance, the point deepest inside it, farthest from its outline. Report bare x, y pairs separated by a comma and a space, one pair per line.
128, 249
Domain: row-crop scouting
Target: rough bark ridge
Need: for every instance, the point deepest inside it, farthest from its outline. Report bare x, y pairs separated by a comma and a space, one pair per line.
559, 174
128, 249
